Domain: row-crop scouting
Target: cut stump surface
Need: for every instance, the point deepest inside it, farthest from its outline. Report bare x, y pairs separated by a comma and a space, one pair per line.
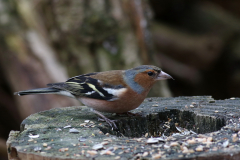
169, 128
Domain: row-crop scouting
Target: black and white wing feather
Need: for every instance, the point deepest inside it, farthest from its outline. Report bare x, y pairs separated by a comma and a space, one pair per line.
86, 86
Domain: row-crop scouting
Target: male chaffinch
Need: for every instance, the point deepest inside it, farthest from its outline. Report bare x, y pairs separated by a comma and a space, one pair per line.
116, 91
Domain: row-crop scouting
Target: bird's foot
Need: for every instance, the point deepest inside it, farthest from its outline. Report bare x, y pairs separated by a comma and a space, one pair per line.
130, 114
103, 118
109, 121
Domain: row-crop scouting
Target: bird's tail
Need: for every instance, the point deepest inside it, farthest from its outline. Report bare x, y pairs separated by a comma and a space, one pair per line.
38, 91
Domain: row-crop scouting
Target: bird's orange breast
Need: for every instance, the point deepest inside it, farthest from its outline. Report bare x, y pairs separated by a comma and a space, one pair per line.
126, 102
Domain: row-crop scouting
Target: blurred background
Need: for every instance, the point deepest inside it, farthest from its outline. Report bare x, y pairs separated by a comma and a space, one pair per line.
195, 41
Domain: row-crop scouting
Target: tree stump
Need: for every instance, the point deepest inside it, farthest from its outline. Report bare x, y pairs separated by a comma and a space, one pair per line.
196, 127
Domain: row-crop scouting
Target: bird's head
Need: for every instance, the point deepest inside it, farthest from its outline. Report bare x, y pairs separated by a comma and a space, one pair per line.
143, 77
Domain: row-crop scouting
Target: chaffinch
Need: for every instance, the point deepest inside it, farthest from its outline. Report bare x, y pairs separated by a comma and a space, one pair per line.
116, 91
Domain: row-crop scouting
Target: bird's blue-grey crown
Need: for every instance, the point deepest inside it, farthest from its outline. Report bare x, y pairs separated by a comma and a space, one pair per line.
146, 67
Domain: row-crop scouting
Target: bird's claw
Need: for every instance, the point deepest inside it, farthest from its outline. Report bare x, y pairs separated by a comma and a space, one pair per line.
109, 121
103, 118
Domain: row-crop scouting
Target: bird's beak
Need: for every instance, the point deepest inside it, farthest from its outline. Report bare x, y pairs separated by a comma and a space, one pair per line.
162, 75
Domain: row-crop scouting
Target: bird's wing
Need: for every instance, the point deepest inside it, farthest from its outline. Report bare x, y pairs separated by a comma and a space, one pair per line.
86, 86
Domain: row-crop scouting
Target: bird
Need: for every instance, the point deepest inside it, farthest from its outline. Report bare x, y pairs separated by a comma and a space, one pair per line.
116, 91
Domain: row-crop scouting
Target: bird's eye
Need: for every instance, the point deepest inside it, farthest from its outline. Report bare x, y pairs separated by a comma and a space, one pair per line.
150, 73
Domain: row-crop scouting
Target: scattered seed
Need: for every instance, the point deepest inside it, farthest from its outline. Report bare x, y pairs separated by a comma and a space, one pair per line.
107, 152
191, 141
192, 132
104, 143
157, 146
48, 148
152, 140
145, 154
73, 130
234, 135
146, 135
225, 144
81, 139
83, 124
63, 149
207, 144
199, 148
33, 136
110, 153
139, 139
156, 156
160, 139
185, 150
59, 129
166, 146
234, 138
180, 129
166, 126
87, 121
176, 134
97, 146
209, 139
118, 157
108, 139
68, 126
92, 153
191, 151
201, 139
30, 140
172, 144
36, 149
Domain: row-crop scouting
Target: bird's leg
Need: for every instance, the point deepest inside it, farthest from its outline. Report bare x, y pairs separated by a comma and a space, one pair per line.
109, 121
130, 114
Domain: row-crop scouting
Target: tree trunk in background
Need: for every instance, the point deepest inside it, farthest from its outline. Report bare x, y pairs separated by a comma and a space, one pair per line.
100, 35
48, 41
